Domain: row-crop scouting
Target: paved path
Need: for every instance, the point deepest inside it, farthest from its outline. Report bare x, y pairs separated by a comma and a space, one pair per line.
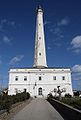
38, 109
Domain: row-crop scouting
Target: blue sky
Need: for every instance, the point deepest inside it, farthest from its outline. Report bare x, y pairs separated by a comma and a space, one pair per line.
62, 24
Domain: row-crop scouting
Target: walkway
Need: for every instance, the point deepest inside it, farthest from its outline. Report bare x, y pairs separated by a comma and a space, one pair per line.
38, 109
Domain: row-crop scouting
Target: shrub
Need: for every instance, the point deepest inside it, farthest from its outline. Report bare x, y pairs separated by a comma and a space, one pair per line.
6, 101
68, 95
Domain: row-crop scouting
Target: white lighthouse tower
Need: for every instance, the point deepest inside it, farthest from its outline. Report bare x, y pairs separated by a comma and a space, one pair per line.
40, 53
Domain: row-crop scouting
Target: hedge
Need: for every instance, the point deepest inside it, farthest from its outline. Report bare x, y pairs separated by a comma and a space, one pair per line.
6, 101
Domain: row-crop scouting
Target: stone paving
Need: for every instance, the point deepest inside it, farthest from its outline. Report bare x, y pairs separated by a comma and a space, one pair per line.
38, 109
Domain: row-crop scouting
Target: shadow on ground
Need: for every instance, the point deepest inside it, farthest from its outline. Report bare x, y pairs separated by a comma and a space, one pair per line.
60, 112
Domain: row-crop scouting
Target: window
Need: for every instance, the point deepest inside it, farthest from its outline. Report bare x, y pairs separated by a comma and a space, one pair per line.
63, 77
25, 78
54, 77
40, 78
40, 54
39, 37
16, 78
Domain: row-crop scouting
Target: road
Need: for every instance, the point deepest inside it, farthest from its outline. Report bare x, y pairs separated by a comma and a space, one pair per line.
38, 109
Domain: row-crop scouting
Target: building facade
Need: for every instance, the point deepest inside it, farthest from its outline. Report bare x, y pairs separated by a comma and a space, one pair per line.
40, 80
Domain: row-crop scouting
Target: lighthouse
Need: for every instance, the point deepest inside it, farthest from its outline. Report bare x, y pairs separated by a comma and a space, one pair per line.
40, 52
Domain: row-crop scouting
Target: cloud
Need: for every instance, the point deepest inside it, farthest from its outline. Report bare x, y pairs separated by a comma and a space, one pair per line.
7, 22
49, 48
4, 24
58, 32
76, 68
76, 72
47, 22
16, 59
6, 39
77, 51
57, 28
76, 44
76, 77
63, 22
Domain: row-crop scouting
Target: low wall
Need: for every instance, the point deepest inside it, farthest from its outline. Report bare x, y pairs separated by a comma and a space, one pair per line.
68, 112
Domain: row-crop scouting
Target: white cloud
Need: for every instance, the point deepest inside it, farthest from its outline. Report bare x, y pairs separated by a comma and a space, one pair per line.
76, 68
57, 28
16, 59
6, 39
76, 44
7, 22
63, 22
76, 72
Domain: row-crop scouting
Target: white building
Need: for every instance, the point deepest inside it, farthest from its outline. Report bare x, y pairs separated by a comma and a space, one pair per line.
39, 80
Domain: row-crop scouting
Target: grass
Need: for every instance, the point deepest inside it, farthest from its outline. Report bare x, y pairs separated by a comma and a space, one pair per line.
74, 102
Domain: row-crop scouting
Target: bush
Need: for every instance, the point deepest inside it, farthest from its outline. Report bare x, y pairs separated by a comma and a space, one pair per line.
6, 101
68, 95
49, 96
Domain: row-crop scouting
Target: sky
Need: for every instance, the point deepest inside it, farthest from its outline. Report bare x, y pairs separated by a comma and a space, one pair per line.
62, 26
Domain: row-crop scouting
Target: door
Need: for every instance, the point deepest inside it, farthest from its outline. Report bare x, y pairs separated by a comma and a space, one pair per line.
40, 91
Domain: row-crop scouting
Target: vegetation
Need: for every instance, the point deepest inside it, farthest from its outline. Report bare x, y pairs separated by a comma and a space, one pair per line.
74, 102
6, 101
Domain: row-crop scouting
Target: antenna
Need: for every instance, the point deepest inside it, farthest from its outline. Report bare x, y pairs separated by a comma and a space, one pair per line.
1, 84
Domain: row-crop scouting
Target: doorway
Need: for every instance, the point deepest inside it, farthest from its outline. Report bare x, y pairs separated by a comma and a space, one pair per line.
40, 91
